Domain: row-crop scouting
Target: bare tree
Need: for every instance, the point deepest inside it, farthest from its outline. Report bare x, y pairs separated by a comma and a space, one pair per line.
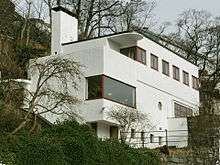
137, 15
128, 118
197, 39
53, 78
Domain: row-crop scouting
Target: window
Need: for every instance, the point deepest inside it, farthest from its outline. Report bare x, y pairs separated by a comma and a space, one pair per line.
113, 132
142, 136
151, 138
159, 105
154, 62
119, 92
185, 78
132, 133
160, 140
195, 83
165, 68
94, 127
182, 111
94, 87
141, 55
129, 52
105, 87
176, 73
135, 53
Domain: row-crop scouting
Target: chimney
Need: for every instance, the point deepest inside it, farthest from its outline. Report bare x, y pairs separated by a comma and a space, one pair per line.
64, 29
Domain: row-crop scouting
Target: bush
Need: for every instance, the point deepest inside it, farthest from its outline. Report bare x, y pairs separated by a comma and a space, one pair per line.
69, 143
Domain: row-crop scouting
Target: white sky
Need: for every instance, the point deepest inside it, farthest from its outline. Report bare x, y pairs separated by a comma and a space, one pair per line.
168, 10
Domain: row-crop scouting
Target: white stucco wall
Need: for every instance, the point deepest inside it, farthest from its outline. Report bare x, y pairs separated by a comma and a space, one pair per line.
64, 29
177, 132
102, 56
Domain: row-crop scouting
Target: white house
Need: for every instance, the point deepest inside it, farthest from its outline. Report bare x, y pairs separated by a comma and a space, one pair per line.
131, 70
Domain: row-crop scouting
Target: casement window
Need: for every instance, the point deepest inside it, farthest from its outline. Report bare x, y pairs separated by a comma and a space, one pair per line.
182, 111
195, 83
154, 62
105, 87
165, 68
185, 78
176, 73
141, 55
135, 53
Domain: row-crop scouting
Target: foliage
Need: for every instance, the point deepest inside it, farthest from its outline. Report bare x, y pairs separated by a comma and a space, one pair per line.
70, 143
129, 118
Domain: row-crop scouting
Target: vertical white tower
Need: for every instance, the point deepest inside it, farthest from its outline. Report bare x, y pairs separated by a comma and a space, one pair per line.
64, 29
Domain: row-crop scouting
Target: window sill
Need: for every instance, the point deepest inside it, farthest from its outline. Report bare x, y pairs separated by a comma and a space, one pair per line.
168, 75
156, 69
112, 101
186, 84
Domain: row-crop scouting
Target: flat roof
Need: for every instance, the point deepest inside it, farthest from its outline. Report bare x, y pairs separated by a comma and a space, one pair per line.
124, 32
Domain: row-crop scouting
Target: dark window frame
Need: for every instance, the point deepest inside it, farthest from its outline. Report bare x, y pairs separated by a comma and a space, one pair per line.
185, 73
174, 75
163, 71
137, 54
102, 91
151, 64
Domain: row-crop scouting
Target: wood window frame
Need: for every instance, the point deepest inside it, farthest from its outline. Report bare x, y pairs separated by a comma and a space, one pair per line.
185, 73
156, 57
137, 54
102, 91
177, 68
166, 62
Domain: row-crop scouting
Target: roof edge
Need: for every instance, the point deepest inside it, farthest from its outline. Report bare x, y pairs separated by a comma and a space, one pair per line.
60, 8
133, 31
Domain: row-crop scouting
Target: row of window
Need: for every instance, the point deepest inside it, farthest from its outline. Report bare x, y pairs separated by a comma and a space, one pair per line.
176, 72
102, 86
139, 54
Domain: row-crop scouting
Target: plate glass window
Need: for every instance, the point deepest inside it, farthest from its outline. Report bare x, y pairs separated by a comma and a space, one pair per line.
119, 92
105, 87
182, 111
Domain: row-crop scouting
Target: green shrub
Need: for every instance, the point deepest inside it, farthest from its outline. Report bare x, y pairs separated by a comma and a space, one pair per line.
69, 143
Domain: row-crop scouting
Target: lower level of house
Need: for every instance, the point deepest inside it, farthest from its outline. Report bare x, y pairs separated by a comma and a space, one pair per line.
175, 135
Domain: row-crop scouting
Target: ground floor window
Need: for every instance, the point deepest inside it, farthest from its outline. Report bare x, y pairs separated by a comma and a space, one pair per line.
94, 127
182, 111
102, 86
114, 132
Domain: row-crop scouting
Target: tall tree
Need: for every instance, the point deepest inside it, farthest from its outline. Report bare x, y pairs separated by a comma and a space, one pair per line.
53, 79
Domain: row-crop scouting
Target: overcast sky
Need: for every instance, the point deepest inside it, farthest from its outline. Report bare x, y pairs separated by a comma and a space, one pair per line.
168, 10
